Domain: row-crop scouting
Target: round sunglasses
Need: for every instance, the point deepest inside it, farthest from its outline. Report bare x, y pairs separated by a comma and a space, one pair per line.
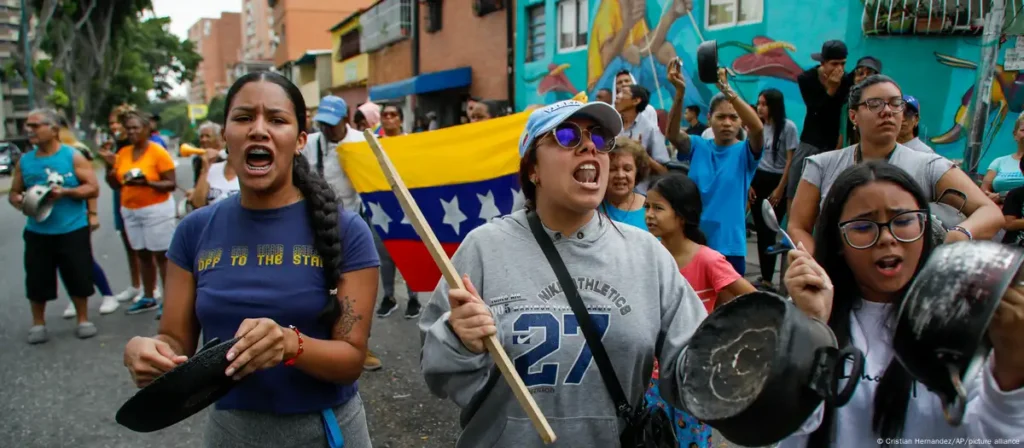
569, 135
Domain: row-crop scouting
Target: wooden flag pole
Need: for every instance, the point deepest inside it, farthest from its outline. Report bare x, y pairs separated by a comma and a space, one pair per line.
415, 216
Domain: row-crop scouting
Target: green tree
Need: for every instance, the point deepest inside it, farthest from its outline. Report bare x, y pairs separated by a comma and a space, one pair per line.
147, 57
215, 110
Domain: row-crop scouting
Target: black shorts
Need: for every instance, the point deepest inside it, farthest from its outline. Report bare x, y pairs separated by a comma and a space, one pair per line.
45, 255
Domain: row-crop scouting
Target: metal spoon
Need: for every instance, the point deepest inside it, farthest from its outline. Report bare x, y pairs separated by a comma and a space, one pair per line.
768, 213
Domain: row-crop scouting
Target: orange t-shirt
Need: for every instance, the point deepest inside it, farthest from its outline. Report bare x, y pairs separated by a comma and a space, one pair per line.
154, 161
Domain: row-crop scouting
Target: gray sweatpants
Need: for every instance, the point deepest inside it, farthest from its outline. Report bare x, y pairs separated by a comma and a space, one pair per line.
242, 429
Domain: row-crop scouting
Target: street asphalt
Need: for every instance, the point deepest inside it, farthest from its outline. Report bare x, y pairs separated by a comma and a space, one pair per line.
65, 393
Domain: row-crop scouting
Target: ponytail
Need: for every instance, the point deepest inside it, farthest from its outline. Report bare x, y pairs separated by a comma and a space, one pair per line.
322, 207
692, 232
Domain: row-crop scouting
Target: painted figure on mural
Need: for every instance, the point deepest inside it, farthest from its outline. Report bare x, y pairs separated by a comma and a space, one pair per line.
621, 39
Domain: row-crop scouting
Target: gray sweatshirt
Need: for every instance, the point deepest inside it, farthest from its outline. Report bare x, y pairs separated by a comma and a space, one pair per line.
633, 290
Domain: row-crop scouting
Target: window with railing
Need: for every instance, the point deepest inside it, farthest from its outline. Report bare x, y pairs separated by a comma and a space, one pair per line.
349, 45
386, 23
535, 34
932, 17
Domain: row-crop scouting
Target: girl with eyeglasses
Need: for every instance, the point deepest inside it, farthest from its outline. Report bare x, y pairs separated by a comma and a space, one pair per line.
627, 280
876, 110
723, 167
874, 234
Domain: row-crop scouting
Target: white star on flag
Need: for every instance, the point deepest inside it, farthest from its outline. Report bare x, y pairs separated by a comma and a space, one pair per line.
452, 215
487, 208
378, 217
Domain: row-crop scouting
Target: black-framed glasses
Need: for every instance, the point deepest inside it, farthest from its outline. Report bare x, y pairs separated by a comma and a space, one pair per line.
905, 227
569, 135
876, 104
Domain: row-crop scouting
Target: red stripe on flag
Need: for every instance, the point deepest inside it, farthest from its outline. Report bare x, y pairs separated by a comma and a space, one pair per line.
415, 263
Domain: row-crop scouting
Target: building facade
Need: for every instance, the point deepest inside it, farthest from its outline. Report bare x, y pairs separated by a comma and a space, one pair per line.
257, 26
219, 42
455, 50
931, 48
14, 100
301, 25
349, 65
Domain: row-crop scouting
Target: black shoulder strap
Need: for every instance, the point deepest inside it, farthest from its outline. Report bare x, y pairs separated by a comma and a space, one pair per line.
320, 150
604, 364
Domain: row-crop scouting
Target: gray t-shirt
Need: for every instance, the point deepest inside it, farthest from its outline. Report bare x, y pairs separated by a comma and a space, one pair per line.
917, 145
770, 161
634, 293
823, 169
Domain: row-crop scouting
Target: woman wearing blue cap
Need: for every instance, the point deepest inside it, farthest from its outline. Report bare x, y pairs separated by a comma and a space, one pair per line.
623, 280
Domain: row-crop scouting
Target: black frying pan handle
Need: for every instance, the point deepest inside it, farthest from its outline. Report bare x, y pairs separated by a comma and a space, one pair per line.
839, 398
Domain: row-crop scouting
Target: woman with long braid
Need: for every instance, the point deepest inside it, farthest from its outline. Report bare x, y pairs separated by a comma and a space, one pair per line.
282, 267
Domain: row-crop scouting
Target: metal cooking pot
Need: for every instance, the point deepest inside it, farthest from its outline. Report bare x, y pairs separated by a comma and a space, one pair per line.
707, 62
941, 334
36, 204
133, 174
757, 367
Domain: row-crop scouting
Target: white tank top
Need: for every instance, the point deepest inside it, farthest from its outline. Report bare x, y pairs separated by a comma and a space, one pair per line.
220, 187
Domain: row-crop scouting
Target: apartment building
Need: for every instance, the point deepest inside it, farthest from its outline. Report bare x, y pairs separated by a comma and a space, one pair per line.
219, 42
350, 66
303, 25
14, 101
457, 49
257, 26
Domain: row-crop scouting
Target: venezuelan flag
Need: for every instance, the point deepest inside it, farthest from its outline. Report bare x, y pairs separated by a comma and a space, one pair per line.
460, 177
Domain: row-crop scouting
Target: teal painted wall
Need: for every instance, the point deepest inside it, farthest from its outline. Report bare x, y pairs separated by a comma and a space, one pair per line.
937, 70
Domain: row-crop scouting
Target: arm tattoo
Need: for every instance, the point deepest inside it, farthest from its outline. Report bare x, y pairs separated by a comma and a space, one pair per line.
348, 318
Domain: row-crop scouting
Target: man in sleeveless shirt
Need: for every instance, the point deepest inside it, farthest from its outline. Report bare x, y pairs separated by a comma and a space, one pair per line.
60, 242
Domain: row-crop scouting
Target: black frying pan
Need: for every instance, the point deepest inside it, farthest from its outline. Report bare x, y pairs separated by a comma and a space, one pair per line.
182, 392
707, 62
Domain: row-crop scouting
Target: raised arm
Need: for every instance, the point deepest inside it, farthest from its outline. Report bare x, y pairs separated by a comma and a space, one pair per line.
679, 139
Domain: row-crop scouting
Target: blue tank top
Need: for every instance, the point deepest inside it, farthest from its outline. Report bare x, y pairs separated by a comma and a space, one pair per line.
68, 214
635, 218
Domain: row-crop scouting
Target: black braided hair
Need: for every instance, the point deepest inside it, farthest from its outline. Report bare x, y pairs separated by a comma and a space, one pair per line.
322, 207
321, 203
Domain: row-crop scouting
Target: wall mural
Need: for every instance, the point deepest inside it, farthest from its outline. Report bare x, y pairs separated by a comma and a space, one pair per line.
764, 44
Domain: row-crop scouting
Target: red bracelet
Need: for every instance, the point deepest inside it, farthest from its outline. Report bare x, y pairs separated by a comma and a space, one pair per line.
298, 352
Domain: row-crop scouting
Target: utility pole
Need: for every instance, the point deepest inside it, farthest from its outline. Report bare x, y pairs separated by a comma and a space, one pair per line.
981, 103
27, 49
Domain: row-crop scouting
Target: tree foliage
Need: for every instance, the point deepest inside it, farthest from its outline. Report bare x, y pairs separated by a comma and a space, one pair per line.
215, 110
101, 53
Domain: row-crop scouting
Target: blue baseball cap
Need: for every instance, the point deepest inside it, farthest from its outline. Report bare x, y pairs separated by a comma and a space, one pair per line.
912, 103
547, 118
332, 110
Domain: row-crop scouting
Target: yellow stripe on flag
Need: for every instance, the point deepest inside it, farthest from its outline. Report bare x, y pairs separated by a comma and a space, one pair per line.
455, 155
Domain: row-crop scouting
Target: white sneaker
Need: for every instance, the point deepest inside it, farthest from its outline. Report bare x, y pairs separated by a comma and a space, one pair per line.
109, 305
70, 312
127, 294
157, 293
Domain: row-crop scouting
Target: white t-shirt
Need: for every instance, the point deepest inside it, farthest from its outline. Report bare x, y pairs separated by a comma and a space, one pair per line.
220, 187
333, 173
991, 413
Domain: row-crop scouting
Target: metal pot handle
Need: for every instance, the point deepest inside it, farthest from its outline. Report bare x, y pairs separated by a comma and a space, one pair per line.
839, 398
954, 409
828, 370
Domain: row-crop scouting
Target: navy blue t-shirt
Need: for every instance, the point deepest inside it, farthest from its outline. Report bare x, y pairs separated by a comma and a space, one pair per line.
262, 263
